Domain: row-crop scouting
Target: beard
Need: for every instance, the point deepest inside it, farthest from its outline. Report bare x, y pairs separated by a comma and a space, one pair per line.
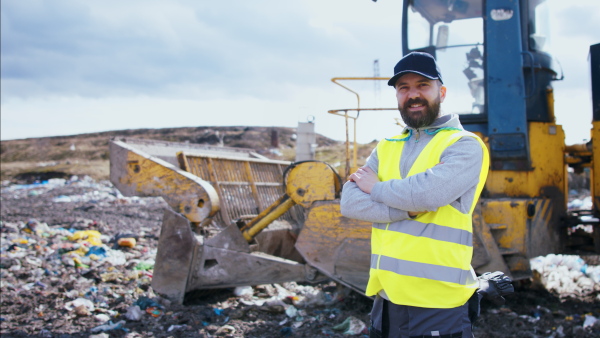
420, 119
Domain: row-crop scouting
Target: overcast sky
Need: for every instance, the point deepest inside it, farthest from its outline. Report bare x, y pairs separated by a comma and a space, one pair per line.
73, 66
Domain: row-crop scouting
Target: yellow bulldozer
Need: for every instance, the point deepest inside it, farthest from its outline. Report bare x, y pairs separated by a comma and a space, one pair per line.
236, 218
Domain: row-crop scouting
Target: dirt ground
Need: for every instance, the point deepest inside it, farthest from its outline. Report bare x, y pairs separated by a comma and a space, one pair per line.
47, 291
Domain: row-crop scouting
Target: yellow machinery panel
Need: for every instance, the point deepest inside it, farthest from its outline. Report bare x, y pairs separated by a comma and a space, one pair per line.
521, 228
311, 181
548, 173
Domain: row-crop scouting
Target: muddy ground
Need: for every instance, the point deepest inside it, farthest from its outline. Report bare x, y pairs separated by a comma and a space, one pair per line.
47, 291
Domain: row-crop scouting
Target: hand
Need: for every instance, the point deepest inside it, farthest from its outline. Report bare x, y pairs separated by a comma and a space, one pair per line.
415, 213
494, 285
365, 178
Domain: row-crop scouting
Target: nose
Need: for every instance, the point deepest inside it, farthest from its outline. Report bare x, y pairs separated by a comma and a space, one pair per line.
413, 93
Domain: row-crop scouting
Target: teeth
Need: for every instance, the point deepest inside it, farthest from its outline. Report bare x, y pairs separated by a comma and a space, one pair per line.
415, 105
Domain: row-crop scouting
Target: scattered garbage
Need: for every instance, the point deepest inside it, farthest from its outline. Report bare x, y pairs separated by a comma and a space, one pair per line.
242, 291
145, 265
128, 242
100, 335
589, 320
566, 275
351, 326
145, 302
134, 313
154, 311
102, 317
584, 203
80, 303
177, 328
77, 275
227, 329
109, 327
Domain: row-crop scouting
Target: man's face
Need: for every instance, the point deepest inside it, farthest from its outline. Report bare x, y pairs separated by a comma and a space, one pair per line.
419, 99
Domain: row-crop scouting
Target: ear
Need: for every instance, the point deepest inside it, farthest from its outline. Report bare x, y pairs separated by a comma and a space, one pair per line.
442, 93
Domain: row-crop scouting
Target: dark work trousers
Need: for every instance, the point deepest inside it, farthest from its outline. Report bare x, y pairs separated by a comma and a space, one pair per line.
389, 320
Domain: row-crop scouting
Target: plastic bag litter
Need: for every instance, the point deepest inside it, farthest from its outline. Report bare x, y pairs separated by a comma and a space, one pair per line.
62, 199
145, 302
291, 311
93, 237
176, 327
101, 317
134, 313
109, 326
589, 320
72, 305
145, 265
116, 257
241, 291
566, 275
96, 252
351, 326
226, 329
99, 335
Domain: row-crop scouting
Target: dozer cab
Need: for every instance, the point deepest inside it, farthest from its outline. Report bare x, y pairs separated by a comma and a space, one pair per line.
236, 218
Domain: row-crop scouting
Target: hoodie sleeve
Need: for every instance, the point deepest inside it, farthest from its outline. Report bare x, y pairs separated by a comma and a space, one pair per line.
359, 205
453, 181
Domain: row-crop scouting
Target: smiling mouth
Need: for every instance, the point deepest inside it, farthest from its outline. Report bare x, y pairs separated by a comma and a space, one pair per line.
415, 105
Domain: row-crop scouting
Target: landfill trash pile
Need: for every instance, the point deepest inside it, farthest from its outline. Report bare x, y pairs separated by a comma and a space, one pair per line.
77, 259
579, 201
567, 275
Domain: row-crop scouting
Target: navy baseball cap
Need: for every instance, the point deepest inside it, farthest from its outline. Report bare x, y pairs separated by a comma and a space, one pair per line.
419, 63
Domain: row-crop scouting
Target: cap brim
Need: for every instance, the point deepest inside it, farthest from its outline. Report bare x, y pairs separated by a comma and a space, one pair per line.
392, 81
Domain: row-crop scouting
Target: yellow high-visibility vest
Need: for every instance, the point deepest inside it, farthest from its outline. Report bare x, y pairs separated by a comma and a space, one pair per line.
425, 261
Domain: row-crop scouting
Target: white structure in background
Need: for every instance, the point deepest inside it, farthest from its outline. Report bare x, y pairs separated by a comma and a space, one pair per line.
306, 141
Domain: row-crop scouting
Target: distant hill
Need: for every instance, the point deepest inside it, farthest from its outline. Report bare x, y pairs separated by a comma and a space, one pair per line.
94, 146
61, 156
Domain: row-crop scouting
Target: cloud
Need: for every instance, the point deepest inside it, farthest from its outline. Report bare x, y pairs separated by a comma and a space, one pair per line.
71, 66
98, 49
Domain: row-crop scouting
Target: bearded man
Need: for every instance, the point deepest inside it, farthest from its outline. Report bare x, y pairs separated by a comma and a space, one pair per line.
420, 189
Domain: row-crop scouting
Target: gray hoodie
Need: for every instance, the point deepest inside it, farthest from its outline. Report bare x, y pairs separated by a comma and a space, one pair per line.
452, 182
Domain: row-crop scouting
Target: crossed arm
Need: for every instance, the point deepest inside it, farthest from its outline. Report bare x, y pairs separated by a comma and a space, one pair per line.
366, 198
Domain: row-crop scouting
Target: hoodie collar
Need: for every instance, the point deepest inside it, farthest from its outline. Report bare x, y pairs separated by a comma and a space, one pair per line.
443, 122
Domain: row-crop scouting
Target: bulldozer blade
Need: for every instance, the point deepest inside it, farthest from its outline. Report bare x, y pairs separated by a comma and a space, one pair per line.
176, 246
186, 261
226, 260
337, 246
222, 268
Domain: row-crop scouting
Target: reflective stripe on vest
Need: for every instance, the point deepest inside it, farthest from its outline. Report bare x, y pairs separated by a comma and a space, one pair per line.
433, 231
425, 261
423, 270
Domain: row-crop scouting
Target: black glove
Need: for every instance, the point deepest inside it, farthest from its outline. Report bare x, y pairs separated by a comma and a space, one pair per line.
494, 285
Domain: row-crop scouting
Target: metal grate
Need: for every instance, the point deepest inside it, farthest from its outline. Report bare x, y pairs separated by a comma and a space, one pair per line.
245, 186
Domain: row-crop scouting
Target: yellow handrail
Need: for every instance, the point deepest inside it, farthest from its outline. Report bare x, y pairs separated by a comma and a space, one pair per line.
354, 118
